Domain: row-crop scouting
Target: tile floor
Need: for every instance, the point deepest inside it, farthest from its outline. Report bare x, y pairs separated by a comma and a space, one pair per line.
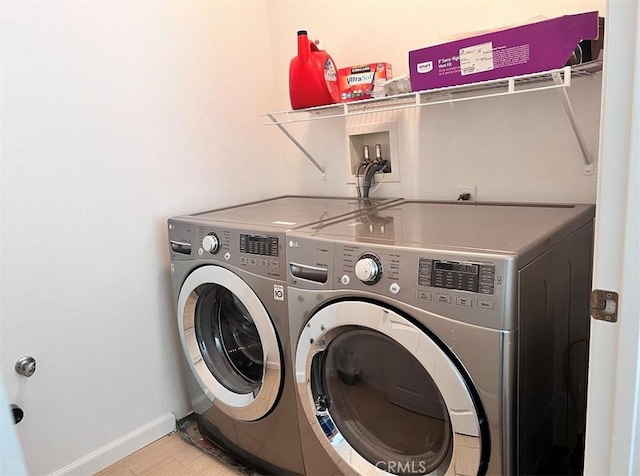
170, 455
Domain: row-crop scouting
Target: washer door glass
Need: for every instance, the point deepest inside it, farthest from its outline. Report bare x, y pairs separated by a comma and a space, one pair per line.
382, 395
228, 339
230, 343
385, 403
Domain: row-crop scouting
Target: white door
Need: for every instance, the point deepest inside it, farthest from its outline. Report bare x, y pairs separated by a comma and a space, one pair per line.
612, 439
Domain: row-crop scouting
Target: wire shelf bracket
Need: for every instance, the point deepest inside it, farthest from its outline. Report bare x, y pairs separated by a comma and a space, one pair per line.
558, 79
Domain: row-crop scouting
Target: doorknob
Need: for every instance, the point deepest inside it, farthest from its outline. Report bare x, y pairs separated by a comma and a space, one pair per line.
26, 366
18, 413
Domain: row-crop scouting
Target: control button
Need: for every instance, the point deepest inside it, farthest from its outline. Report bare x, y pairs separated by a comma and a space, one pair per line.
394, 288
345, 279
367, 270
227, 256
200, 251
423, 295
263, 262
211, 243
274, 263
482, 304
243, 260
443, 298
253, 261
464, 301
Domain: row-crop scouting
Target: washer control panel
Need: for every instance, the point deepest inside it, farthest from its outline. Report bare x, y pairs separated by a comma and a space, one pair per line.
254, 252
262, 245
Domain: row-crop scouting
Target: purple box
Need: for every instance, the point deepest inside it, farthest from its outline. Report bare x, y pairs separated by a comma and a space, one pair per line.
525, 49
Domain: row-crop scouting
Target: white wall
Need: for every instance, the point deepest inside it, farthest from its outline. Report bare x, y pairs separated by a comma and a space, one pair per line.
115, 116
515, 148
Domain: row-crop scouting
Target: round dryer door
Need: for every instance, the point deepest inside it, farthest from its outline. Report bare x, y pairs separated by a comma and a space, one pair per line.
382, 396
230, 342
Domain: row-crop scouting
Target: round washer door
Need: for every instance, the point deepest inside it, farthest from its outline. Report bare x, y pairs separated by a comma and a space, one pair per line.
382, 396
230, 342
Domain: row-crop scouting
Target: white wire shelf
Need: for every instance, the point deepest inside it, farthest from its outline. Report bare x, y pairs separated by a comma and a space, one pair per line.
559, 79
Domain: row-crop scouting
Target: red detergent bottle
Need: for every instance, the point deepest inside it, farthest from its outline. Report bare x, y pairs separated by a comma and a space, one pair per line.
313, 76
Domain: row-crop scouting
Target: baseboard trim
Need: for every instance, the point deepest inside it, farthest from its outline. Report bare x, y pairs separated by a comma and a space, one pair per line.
115, 451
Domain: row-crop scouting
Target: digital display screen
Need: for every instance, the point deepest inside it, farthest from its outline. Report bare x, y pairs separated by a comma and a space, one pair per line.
262, 245
456, 275
457, 267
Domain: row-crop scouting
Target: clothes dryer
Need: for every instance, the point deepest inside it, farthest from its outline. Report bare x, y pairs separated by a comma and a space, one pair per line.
228, 278
443, 338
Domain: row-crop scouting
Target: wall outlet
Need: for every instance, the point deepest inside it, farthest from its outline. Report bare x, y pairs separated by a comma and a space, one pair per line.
471, 190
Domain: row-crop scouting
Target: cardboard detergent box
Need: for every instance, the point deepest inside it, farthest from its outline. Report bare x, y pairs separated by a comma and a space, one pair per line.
363, 81
531, 48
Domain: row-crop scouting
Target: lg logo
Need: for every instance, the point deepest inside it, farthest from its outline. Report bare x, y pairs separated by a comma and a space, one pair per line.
293, 244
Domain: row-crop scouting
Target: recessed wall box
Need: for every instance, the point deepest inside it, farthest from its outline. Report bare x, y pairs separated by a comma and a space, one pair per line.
383, 133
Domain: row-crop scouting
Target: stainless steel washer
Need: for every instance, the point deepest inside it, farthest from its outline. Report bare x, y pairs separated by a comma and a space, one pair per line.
228, 277
443, 338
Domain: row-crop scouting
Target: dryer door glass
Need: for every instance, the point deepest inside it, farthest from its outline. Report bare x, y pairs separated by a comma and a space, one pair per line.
385, 404
380, 393
228, 339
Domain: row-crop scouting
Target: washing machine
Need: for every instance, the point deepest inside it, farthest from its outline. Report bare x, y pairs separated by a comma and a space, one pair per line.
228, 274
442, 338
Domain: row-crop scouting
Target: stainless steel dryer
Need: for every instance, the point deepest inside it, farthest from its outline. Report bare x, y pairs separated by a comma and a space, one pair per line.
443, 338
228, 277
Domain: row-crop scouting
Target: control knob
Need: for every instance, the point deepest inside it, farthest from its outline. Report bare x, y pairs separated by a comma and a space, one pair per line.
211, 243
369, 269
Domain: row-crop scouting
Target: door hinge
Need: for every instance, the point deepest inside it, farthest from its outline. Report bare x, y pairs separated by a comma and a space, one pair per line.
604, 305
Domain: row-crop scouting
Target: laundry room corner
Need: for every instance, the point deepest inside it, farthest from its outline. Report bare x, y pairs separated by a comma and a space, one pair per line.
518, 148
173, 255
115, 116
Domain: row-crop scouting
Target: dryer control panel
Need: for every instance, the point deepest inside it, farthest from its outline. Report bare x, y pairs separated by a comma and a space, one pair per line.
478, 288
460, 275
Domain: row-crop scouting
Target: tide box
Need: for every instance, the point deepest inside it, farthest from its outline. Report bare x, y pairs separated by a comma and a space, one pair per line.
364, 81
525, 49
